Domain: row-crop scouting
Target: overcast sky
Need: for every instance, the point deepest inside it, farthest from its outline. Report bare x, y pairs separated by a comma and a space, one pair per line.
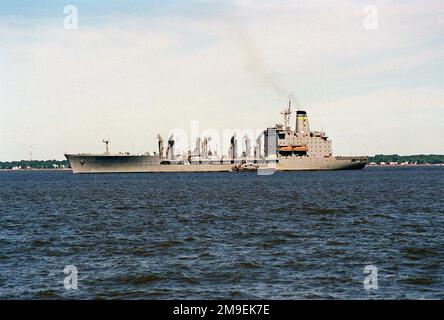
133, 69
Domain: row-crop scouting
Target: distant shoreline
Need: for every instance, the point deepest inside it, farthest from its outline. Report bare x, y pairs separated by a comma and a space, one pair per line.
406, 165
35, 169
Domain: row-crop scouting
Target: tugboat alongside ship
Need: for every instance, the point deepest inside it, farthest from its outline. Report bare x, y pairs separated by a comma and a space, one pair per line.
284, 149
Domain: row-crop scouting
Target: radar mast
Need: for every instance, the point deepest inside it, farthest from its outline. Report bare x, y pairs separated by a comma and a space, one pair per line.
106, 142
287, 113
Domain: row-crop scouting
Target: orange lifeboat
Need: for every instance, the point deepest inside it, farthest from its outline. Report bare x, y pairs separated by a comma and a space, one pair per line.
294, 148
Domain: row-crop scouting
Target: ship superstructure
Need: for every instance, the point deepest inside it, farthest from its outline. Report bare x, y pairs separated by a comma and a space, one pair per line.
299, 142
280, 148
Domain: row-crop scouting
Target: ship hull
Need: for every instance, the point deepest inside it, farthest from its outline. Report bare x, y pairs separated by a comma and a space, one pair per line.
333, 163
143, 163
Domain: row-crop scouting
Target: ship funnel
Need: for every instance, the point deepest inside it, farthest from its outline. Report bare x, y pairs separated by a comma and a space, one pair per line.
302, 122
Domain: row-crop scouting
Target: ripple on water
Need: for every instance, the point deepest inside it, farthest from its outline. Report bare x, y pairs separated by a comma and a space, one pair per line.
40, 243
142, 252
274, 242
140, 279
248, 265
281, 209
418, 253
47, 294
321, 211
166, 244
423, 281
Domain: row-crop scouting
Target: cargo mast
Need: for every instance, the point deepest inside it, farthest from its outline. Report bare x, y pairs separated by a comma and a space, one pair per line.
287, 113
106, 142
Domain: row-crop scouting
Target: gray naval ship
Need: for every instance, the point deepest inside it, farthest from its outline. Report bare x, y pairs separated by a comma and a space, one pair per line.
278, 148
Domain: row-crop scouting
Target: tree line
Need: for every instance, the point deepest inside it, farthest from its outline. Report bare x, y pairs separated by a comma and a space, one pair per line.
34, 164
419, 158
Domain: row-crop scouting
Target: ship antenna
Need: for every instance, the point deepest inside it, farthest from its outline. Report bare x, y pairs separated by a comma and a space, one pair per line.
106, 141
286, 113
